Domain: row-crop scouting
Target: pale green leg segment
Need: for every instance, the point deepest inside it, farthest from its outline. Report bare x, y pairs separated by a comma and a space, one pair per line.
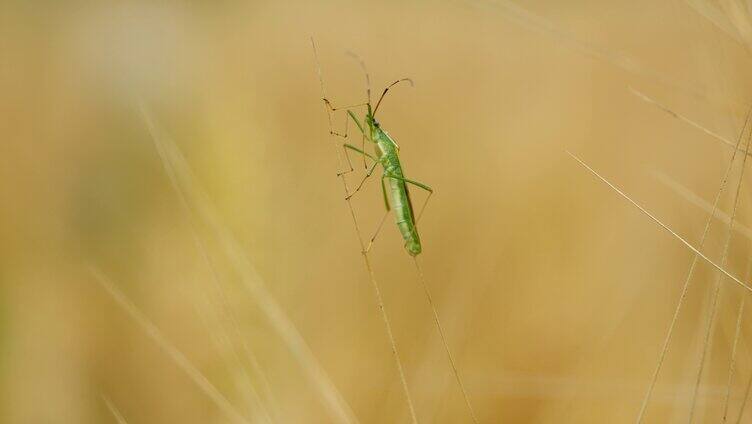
346, 135
415, 183
351, 147
386, 198
368, 174
355, 118
383, 218
362, 132
360, 185
383, 187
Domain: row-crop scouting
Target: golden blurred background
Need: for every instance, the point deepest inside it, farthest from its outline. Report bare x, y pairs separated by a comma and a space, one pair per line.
176, 247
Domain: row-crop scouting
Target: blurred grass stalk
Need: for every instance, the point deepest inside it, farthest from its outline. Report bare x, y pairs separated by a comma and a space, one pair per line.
176, 355
199, 207
114, 411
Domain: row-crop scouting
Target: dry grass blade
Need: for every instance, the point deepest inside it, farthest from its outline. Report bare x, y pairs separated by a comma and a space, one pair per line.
732, 363
539, 24
717, 289
182, 179
439, 327
245, 384
698, 201
680, 117
733, 18
738, 15
530, 20
713, 210
682, 297
715, 16
176, 355
662, 225
227, 350
114, 411
745, 400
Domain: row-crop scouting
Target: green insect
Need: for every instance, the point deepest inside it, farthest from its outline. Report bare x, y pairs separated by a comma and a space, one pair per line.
397, 195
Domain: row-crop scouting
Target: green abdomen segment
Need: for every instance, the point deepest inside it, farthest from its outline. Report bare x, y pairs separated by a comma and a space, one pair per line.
399, 199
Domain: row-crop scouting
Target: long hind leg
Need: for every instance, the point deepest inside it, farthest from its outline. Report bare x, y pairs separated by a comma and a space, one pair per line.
386, 203
365, 177
368, 174
420, 185
346, 134
383, 218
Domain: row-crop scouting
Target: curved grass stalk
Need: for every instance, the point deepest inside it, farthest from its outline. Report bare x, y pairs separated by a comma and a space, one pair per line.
364, 251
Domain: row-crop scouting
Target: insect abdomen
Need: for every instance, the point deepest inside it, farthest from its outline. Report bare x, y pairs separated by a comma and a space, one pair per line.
403, 209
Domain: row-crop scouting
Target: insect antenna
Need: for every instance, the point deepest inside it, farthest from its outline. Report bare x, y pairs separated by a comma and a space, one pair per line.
412, 84
365, 71
368, 95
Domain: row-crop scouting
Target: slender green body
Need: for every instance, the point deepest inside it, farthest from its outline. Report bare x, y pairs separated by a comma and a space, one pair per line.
397, 196
387, 153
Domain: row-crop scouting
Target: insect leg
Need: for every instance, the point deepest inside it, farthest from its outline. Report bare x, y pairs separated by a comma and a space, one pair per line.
357, 122
351, 147
349, 112
363, 147
386, 198
368, 174
363, 133
360, 185
415, 183
422, 208
345, 135
383, 218
376, 233
362, 138
334, 109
